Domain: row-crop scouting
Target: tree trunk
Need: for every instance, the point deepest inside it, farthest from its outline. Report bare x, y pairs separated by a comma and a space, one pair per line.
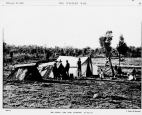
119, 59
111, 67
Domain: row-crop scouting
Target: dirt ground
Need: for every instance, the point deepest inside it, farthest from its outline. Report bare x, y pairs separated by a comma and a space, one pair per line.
76, 94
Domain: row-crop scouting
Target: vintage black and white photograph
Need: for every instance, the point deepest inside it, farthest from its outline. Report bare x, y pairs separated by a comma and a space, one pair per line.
71, 55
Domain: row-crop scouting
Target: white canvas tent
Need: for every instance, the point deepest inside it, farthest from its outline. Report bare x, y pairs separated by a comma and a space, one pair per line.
87, 67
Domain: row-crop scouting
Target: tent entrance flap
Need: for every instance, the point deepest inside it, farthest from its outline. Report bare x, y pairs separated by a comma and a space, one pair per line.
88, 71
25, 73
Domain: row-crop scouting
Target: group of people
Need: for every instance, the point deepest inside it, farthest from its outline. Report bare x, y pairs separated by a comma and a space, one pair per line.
62, 72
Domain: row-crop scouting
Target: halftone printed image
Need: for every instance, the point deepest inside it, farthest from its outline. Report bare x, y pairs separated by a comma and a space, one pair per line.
71, 55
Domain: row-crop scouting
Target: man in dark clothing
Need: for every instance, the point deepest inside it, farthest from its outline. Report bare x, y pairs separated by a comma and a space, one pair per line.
55, 70
61, 70
79, 67
67, 68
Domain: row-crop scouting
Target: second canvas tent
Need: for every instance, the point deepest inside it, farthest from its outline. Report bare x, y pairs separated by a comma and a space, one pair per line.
88, 69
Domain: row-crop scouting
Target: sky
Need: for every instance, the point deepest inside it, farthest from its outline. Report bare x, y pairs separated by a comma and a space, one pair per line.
76, 26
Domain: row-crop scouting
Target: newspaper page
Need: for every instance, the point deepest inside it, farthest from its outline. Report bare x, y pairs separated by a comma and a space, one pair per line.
71, 57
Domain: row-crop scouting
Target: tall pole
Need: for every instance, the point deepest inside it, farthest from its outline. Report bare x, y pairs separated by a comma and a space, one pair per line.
113, 74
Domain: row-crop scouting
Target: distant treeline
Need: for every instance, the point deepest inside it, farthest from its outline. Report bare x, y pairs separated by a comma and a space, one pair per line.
43, 53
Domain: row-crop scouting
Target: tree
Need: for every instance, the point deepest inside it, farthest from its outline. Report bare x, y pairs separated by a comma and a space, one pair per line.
121, 47
47, 54
134, 51
138, 52
91, 54
114, 52
4, 51
105, 43
4, 48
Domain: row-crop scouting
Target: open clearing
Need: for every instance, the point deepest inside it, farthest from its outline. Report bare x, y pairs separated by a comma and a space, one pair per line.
73, 94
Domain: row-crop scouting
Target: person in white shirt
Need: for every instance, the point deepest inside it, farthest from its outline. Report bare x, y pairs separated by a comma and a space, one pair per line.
130, 77
101, 74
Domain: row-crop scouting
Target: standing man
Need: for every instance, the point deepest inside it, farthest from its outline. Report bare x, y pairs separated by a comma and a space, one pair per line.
61, 70
55, 70
67, 68
101, 74
79, 67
